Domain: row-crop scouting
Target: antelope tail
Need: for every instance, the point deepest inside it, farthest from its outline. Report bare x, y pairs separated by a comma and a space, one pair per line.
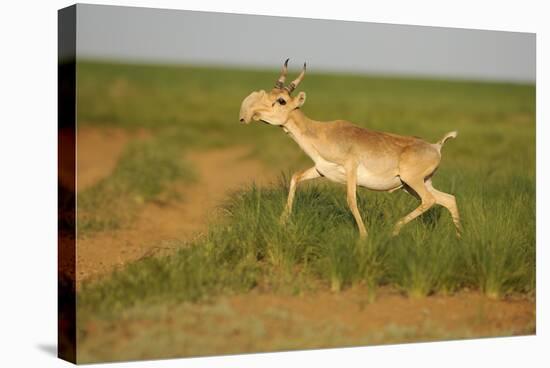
449, 135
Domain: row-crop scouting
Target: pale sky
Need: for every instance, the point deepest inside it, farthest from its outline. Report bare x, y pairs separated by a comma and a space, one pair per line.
134, 34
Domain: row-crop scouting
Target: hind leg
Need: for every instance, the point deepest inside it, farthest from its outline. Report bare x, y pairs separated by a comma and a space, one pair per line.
417, 163
426, 197
448, 201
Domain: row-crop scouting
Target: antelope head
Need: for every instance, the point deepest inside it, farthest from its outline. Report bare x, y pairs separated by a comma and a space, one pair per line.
275, 106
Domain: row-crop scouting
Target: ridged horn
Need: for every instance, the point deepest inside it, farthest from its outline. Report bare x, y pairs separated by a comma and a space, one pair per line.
292, 86
281, 81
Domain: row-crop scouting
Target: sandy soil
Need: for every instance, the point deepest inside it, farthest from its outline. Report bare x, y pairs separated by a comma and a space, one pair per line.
256, 322
159, 224
351, 308
98, 151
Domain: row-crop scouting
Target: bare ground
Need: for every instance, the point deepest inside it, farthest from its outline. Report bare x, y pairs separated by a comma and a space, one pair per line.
160, 225
257, 322
98, 151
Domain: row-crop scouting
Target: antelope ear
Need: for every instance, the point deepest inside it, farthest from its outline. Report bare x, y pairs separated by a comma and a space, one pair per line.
300, 99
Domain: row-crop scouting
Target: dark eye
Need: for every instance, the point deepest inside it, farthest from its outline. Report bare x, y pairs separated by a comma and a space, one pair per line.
281, 101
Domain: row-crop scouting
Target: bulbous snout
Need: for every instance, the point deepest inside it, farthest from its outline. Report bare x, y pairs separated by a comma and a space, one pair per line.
248, 107
245, 115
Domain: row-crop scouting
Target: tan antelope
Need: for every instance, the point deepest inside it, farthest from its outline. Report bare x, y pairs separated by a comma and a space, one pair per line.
347, 154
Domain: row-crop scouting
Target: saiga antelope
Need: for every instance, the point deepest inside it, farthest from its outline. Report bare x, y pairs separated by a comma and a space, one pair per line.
348, 154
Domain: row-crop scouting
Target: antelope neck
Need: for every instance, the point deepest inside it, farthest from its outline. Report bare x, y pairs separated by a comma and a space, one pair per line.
299, 125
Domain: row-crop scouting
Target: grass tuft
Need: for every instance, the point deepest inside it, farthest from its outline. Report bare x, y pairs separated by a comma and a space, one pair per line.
319, 247
490, 168
142, 174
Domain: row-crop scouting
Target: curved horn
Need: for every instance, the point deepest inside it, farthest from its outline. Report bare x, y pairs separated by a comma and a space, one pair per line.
292, 86
281, 81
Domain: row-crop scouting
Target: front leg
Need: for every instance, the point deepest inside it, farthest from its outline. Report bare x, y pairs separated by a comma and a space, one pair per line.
351, 177
308, 174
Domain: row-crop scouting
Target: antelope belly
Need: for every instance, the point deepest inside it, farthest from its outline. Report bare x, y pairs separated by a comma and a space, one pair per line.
331, 171
377, 181
365, 178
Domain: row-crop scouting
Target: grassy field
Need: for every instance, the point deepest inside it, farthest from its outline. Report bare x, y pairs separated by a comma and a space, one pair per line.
141, 174
490, 168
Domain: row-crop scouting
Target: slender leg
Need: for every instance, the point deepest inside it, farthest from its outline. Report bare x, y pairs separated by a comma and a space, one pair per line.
426, 197
449, 202
308, 174
351, 173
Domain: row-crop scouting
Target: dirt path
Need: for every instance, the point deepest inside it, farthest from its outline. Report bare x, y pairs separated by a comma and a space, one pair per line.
256, 322
162, 226
461, 314
99, 150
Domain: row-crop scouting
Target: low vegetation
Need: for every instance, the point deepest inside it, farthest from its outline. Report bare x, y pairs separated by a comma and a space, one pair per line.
319, 248
490, 168
142, 174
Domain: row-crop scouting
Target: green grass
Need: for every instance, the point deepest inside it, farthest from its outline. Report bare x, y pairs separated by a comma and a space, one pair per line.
490, 168
141, 174
320, 248
190, 107
200, 107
